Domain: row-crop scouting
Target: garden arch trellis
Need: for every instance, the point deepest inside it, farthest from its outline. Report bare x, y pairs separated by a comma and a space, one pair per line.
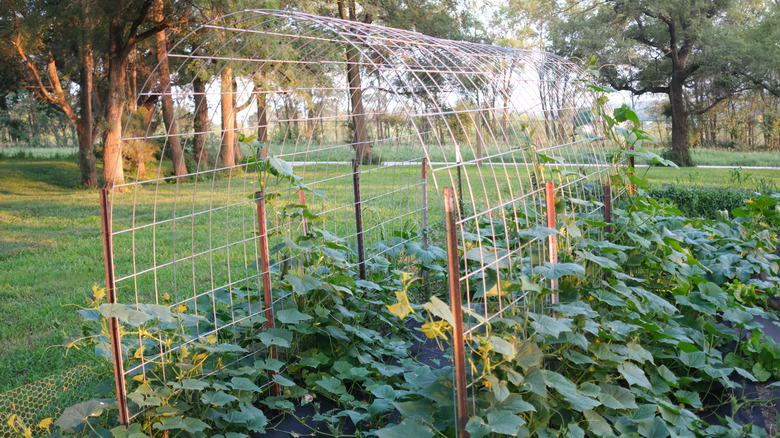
365, 114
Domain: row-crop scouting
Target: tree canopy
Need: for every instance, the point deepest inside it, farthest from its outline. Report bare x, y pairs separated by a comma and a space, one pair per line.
697, 53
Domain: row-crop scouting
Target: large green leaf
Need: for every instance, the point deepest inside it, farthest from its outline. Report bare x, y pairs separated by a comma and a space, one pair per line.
599, 260
278, 337
504, 422
132, 431
598, 425
406, 429
477, 428
332, 385
616, 397
74, 416
188, 424
303, 284
125, 314
554, 271
440, 309
540, 233
689, 398
502, 346
280, 167
655, 428
493, 258
291, 316
217, 398
634, 375
549, 326
244, 384
529, 355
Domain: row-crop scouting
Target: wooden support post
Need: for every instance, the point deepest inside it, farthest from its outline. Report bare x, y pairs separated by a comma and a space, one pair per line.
425, 273
456, 304
265, 274
607, 210
552, 240
359, 218
116, 342
631, 186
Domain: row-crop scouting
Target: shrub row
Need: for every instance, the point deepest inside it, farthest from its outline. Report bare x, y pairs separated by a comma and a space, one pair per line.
701, 201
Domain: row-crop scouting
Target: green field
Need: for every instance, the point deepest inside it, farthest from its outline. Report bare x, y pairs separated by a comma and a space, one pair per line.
51, 246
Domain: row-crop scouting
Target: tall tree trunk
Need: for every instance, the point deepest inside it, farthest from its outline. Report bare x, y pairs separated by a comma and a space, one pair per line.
85, 125
236, 143
164, 75
228, 128
113, 172
201, 121
679, 121
262, 120
360, 138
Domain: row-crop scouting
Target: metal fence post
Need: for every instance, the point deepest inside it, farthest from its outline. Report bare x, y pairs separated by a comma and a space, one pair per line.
426, 286
456, 304
359, 219
265, 273
607, 209
116, 344
552, 240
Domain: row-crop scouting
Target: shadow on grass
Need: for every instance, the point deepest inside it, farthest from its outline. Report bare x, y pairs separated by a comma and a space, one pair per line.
25, 172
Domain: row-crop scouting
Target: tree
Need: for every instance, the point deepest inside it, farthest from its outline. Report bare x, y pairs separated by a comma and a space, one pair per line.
664, 46
44, 36
164, 74
129, 22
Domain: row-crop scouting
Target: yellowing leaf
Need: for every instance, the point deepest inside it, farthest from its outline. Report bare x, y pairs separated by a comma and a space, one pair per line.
402, 308
166, 297
46, 423
433, 329
98, 292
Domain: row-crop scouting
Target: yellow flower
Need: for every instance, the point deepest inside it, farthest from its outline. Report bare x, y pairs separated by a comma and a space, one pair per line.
486, 383
590, 298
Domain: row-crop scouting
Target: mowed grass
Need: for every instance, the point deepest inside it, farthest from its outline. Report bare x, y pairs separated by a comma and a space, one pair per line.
50, 254
744, 179
51, 243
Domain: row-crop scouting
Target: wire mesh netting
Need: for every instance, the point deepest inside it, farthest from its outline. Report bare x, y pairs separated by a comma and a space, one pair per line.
47, 398
347, 118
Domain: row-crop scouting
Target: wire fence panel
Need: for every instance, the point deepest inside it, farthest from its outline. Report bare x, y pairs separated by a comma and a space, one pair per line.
342, 120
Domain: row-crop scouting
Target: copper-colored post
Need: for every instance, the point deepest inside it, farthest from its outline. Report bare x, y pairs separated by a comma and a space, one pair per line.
426, 286
456, 303
552, 240
302, 200
265, 274
359, 219
607, 209
116, 344
631, 187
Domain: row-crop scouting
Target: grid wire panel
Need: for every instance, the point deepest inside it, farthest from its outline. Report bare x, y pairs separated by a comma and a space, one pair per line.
486, 119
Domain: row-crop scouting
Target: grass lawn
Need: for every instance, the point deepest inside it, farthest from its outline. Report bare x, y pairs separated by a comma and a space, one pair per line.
51, 245
50, 253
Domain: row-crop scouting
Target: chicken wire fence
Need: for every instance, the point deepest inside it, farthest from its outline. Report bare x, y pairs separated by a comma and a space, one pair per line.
32, 404
363, 125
